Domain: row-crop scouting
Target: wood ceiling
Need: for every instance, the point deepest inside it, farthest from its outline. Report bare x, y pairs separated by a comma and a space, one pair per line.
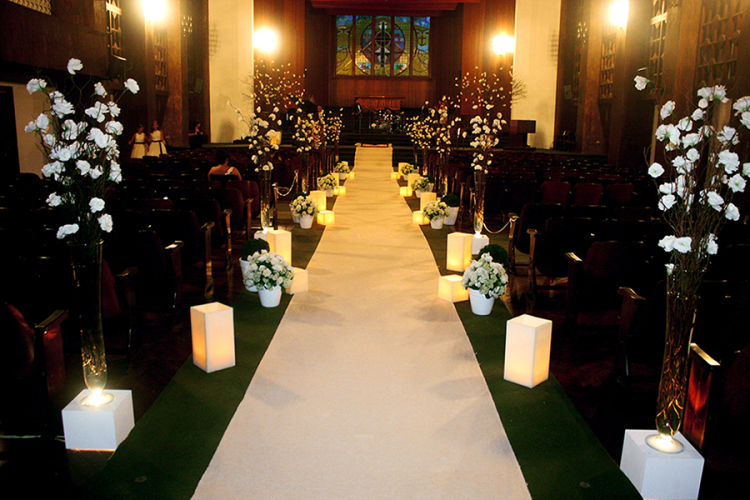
432, 8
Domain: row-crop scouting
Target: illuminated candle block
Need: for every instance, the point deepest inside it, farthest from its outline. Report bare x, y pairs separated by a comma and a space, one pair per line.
300, 281
320, 199
478, 242
411, 178
458, 252
395, 175
656, 474
528, 340
280, 243
350, 175
213, 336
418, 218
339, 191
450, 289
325, 217
98, 427
405, 191
426, 198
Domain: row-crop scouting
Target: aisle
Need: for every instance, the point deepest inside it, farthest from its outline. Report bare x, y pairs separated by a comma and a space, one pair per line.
370, 388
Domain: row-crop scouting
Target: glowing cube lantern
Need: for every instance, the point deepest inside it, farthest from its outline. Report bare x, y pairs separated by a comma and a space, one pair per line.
478, 242
350, 175
426, 198
213, 336
339, 190
98, 427
528, 340
458, 253
300, 281
395, 175
411, 178
659, 474
279, 242
450, 289
320, 199
325, 217
405, 191
418, 218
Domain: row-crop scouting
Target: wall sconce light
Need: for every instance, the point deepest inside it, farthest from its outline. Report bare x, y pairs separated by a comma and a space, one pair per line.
264, 40
154, 10
503, 44
618, 13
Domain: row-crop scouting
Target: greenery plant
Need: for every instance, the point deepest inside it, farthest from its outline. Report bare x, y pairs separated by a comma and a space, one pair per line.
251, 246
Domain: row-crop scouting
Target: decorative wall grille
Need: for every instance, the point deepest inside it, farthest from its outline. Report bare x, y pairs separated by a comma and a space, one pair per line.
657, 42
721, 22
114, 28
582, 35
607, 66
43, 6
160, 59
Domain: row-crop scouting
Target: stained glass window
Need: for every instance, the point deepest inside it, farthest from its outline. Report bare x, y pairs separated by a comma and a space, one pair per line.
382, 46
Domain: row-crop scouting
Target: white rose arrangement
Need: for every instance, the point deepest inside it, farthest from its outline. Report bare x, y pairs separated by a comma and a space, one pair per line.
407, 169
79, 141
303, 206
266, 270
421, 183
435, 210
486, 276
341, 167
327, 182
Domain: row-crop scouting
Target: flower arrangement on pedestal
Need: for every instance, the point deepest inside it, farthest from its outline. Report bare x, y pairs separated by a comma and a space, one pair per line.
421, 184
327, 182
486, 280
697, 179
436, 210
341, 168
407, 169
79, 141
270, 274
333, 126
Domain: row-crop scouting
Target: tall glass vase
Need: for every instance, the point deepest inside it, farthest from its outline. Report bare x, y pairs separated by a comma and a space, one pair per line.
304, 185
670, 404
86, 260
264, 176
480, 182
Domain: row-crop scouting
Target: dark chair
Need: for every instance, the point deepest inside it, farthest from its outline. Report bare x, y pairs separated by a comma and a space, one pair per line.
554, 192
632, 213
594, 281
183, 225
617, 195
174, 193
519, 193
250, 194
532, 216
548, 246
231, 199
622, 230
221, 233
586, 193
593, 212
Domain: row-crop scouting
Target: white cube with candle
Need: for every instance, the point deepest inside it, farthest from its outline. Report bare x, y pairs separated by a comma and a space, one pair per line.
478, 242
528, 341
656, 474
280, 243
450, 288
320, 199
350, 175
98, 427
419, 218
212, 328
325, 217
425, 198
339, 190
405, 191
395, 175
300, 281
410, 178
458, 252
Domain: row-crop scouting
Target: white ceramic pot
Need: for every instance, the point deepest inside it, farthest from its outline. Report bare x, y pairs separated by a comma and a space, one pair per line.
342, 176
329, 193
480, 305
437, 223
243, 266
451, 219
305, 221
270, 298
296, 219
418, 193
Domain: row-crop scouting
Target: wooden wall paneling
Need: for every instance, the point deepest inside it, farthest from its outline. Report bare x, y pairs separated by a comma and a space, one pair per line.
294, 39
472, 44
135, 107
589, 133
317, 38
683, 60
499, 19
446, 64
175, 121
571, 29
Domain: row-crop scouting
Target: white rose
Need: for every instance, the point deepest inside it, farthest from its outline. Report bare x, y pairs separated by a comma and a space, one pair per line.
62, 107
667, 109
736, 183
74, 65
96, 205
36, 84
65, 230
640, 82
114, 109
666, 202
667, 243
83, 166
714, 200
730, 160
114, 128
132, 86
54, 200
711, 246
95, 173
99, 89
655, 170
732, 213
105, 222
683, 244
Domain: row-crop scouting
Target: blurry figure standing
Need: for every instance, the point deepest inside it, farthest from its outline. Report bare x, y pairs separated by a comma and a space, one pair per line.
157, 145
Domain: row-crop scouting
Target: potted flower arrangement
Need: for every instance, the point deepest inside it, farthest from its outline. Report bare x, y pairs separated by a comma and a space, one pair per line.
342, 168
305, 208
436, 211
270, 274
249, 248
486, 280
452, 201
420, 184
407, 169
327, 183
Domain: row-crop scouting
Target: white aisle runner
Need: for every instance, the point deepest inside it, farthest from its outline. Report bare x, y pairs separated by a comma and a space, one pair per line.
370, 388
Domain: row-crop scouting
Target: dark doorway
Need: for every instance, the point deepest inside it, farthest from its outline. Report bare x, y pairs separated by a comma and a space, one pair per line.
8, 141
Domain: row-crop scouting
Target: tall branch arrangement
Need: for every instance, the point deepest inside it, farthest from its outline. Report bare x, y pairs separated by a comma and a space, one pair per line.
486, 93
273, 86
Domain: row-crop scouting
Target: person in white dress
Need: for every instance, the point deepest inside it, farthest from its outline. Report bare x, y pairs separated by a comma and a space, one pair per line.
138, 141
158, 145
